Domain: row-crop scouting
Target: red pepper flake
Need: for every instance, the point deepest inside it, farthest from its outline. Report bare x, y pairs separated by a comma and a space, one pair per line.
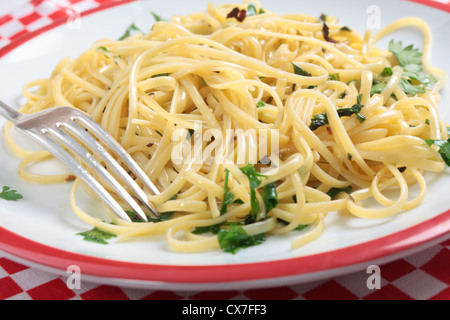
329, 131
70, 178
326, 29
326, 34
240, 15
150, 145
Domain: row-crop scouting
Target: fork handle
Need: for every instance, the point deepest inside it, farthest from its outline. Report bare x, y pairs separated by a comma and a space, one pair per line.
9, 113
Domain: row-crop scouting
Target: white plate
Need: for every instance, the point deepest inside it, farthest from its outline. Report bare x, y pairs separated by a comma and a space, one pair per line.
40, 230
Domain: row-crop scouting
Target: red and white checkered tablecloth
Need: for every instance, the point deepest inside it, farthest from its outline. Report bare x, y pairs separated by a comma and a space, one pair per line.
422, 276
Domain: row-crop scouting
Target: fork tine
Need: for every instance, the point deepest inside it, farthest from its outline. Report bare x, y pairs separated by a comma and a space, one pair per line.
74, 146
77, 131
105, 137
47, 128
61, 154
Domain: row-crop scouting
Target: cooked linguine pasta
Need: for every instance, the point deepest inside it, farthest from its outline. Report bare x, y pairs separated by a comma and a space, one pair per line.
345, 123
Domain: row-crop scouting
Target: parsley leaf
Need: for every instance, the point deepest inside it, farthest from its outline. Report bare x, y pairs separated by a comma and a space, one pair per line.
214, 229
301, 227
444, 148
97, 236
355, 109
377, 88
228, 196
321, 119
255, 182
164, 216
261, 104
334, 77
105, 51
251, 10
270, 196
161, 75
157, 17
409, 88
387, 71
334, 192
445, 152
235, 238
129, 31
253, 176
405, 56
255, 208
318, 121
133, 216
269, 192
10, 195
414, 80
299, 71
378, 85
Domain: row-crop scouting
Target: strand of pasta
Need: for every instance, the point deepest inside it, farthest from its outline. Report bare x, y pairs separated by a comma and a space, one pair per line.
206, 69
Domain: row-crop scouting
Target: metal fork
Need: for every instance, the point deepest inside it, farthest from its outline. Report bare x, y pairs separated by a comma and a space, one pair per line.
59, 129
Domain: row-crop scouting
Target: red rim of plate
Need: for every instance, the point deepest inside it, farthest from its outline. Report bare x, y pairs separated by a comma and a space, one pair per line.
33, 252
435, 4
